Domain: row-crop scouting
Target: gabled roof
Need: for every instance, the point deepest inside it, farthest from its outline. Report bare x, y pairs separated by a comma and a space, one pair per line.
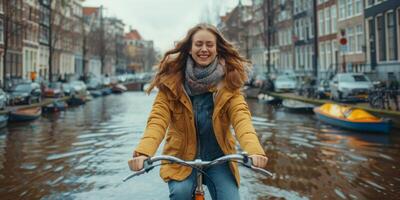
133, 35
88, 11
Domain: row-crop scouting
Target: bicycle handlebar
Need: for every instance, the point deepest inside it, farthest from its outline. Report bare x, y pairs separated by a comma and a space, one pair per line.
242, 158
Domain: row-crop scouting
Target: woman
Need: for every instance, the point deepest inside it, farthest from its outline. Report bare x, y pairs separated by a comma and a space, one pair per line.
199, 98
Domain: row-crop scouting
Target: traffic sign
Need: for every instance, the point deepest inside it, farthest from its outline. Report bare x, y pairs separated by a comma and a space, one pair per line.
343, 41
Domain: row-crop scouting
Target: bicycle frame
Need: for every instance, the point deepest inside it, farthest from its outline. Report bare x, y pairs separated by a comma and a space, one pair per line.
198, 164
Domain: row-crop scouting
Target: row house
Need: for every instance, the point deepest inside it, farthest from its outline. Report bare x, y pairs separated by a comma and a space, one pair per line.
234, 26
92, 18
351, 25
256, 37
114, 34
327, 37
283, 23
303, 36
30, 49
271, 33
1, 41
11, 39
77, 36
63, 27
44, 38
382, 30
140, 52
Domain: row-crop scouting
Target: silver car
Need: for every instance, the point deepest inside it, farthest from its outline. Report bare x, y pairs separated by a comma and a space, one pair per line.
350, 86
285, 83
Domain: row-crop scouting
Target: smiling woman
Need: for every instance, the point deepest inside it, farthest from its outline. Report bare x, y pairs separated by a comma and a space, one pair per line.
199, 98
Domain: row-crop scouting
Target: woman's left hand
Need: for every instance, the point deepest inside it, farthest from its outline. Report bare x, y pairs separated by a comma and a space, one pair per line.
259, 161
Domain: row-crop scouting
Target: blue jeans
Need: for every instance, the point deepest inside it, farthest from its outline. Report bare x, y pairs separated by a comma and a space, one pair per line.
221, 176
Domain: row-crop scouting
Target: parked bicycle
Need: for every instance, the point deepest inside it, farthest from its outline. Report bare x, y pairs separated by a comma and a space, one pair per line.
382, 98
200, 167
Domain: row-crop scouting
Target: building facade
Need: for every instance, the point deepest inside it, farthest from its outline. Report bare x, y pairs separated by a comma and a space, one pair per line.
30, 48
382, 29
327, 38
303, 36
283, 23
351, 25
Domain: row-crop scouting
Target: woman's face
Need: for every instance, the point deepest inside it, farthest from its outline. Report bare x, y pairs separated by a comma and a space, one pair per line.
204, 47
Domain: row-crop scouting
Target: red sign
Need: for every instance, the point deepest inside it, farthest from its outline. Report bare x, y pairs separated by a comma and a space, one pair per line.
343, 41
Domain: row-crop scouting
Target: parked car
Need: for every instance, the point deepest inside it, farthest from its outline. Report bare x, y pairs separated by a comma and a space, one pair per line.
350, 86
285, 83
3, 99
78, 87
53, 90
25, 93
94, 83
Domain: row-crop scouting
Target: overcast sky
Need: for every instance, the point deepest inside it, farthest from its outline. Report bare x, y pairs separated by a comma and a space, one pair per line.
163, 21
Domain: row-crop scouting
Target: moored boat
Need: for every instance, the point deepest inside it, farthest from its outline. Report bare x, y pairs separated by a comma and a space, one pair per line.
297, 106
55, 106
118, 88
25, 114
351, 118
265, 98
76, 101
3, 120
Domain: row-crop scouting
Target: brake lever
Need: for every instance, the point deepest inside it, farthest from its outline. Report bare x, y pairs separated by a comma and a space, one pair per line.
247, 161
147, 166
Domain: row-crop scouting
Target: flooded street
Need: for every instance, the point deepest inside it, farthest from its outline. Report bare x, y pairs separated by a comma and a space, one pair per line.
82, 153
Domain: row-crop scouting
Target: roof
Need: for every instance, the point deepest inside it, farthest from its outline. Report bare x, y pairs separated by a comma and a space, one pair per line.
133, 35
87, 11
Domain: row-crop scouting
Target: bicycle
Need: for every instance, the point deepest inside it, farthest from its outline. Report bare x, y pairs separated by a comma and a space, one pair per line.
199, 165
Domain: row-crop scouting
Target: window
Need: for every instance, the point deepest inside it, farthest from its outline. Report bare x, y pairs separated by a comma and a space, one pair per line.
350, 37
391, 32
1, 6
328, 55
380, 38
359, 38
334, 50
321, 22
358, 7
334, 19
328, 24
349, 8
322, 55
369, 3
1, 32
398, 33
342, 9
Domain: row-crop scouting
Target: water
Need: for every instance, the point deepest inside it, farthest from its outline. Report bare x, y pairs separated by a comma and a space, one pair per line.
82, 154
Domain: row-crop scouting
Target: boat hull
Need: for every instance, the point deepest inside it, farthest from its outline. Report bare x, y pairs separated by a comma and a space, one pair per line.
17, 116
382, 127
3, 120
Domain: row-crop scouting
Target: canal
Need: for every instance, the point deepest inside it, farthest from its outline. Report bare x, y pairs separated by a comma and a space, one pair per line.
82, 153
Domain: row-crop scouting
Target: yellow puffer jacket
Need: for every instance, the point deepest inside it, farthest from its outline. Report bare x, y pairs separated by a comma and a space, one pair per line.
176, 116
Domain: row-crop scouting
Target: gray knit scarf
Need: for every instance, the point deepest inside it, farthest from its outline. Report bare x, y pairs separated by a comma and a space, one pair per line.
199, 80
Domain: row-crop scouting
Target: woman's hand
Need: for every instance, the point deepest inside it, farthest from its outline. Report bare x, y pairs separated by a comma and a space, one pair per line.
136, 163
259, 161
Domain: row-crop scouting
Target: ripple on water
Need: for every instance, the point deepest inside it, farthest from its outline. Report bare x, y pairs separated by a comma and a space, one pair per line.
66, 155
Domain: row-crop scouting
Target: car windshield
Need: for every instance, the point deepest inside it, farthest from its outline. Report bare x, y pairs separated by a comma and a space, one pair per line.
22, 88
353, 78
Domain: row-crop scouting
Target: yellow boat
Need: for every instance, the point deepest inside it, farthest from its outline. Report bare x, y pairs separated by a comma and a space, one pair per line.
351, 118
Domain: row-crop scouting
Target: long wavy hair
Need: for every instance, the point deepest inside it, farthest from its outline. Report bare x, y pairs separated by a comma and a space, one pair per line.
174, 61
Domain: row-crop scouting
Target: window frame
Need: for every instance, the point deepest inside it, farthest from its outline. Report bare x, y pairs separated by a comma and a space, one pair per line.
387, 42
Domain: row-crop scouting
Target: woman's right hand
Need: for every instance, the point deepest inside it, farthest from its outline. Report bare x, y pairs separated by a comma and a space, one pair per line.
136, 163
